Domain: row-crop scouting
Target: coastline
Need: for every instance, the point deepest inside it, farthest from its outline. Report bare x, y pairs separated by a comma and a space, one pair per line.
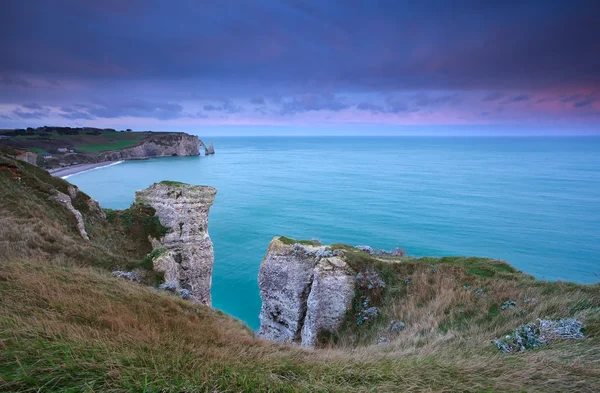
80, 168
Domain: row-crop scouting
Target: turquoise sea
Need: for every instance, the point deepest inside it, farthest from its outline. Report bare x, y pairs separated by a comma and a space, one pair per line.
534, 202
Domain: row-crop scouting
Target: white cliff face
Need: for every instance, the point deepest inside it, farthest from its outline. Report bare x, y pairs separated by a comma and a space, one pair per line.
284, 280
330, 298
175, 144
305, 290
189, 256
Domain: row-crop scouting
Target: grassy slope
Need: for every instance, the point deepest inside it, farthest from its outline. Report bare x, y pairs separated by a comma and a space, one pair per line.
66, 325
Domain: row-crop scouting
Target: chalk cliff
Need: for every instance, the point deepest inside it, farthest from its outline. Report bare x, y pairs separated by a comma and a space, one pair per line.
173, 144
187, 258
305, 290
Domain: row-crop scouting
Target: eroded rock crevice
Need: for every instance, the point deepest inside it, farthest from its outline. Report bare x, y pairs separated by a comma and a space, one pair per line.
305, 290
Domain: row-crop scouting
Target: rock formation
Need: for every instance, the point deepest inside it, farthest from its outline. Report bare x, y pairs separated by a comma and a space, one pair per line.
208, 150
188, 256
173, 144
330, 297
305, 290
28, 157
65, 200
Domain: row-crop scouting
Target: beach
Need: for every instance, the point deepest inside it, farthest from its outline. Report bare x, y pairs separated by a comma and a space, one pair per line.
75, 169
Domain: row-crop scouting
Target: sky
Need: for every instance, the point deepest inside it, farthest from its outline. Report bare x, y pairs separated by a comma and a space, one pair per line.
303, 67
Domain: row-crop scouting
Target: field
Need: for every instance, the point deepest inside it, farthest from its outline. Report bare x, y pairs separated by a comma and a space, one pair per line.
48, 140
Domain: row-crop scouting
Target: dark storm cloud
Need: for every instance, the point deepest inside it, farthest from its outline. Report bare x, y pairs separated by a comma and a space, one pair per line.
363, 45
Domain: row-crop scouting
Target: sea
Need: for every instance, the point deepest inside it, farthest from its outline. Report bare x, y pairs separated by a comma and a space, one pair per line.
532, 201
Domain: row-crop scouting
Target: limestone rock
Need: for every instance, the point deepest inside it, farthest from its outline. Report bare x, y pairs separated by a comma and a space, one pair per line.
183, 208
166, 264
305, 290
72, 191
65, 200
28, 157
208, 150
330, 298
173, 144
211, 148
95, 208
285, 279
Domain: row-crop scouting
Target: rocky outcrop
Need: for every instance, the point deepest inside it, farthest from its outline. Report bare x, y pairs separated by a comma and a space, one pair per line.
65, 200
330, 297
305, 290
28, 157
172, 144
188, 256
208, 150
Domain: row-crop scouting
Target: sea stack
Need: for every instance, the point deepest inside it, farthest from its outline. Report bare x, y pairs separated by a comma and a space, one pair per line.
185, 254
305, 290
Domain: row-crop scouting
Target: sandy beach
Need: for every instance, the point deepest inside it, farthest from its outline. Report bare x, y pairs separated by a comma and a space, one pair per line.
75, 169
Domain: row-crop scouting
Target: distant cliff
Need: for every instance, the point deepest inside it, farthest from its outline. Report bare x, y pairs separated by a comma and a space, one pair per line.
55, 147
164, 145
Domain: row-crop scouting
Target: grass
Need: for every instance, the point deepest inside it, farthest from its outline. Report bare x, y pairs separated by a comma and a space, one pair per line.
67, 325
31, 226
174, 183
289, 241
38, 150
108, 146
77, 329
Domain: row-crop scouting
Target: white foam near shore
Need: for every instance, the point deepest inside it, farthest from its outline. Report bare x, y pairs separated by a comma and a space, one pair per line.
77, 169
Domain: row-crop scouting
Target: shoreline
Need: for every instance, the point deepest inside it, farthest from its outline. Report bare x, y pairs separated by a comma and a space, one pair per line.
69, 171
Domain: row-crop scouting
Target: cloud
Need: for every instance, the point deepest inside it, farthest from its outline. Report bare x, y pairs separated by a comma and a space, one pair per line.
582, 103
520, 97
136, 108
426, 100
373, 108
225, 106
493, 96
126, 108
12, 81
33, 106
38, 112
75, 114
257, 100
311, 102
276, 44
